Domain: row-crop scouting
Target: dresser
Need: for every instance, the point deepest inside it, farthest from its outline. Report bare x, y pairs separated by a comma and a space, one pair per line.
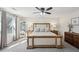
72, 38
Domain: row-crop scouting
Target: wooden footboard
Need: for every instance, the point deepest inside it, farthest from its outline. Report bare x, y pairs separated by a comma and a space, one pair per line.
45, 46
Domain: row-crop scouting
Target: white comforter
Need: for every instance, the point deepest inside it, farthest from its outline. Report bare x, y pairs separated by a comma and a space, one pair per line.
42, 34
43, 41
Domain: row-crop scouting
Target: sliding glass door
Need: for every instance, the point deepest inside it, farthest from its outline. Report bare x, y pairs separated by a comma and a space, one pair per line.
11, 28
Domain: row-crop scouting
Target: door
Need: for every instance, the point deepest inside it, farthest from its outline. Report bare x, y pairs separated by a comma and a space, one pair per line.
11, 28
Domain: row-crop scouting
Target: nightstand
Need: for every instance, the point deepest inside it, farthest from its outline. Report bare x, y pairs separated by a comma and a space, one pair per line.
54, 31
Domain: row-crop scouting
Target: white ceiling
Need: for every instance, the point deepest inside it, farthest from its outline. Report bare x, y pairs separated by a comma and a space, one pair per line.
28, 11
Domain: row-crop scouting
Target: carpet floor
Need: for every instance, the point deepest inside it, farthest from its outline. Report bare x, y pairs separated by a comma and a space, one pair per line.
20, 46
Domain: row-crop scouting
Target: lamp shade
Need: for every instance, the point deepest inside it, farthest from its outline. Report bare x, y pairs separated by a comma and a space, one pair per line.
54, 25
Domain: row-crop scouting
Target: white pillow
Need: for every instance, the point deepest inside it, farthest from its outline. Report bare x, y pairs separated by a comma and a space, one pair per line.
36, 29
42, 30
46, 29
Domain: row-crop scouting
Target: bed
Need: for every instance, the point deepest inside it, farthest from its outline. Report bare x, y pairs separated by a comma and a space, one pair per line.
41, 31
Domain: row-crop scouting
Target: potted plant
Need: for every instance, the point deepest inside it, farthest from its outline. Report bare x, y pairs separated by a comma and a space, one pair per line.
70, 27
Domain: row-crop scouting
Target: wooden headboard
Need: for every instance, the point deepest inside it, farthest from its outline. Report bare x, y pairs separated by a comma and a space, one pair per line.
41, 24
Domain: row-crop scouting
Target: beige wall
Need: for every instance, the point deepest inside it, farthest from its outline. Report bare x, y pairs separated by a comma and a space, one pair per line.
65, 20
52, 21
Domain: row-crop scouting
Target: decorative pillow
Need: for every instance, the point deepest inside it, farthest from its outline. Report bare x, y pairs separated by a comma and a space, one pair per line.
42, 30
37, 29
46, 30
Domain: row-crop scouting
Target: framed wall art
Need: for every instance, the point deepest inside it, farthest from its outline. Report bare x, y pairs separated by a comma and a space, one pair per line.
75, 21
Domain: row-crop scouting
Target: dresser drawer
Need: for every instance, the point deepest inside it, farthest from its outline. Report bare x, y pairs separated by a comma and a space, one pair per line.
72, 38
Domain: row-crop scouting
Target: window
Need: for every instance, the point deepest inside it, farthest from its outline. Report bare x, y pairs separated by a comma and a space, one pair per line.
11, 23
11, 28
23, 26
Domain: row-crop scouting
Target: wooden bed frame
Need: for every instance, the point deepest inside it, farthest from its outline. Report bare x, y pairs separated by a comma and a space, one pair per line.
43, 46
